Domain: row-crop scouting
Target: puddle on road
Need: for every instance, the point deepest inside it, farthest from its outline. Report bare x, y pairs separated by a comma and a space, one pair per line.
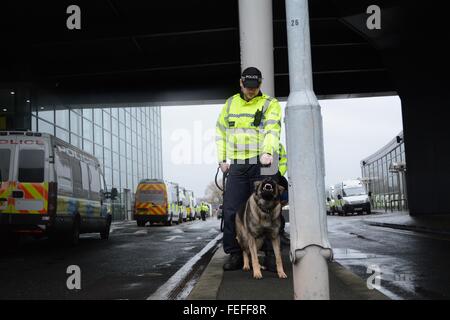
345, 253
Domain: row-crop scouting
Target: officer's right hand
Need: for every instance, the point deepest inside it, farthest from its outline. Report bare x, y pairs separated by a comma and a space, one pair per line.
224, 167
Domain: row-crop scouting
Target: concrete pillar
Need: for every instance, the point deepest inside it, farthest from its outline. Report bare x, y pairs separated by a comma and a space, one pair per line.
310, 247
256, 40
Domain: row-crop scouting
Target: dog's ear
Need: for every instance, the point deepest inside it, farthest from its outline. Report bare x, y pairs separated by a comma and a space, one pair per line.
256, 184
280, 189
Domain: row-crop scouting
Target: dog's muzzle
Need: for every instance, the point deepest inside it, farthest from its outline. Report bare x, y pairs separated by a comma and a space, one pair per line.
268, 187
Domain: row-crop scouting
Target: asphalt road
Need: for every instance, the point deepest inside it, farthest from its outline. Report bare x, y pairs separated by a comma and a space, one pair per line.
132, 264
412, 265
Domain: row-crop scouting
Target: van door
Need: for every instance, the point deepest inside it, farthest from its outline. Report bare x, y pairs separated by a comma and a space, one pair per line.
30, 193
7, 153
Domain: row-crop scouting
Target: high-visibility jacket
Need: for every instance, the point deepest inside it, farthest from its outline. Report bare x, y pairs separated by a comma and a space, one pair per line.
238, 137
204, 207
282, 163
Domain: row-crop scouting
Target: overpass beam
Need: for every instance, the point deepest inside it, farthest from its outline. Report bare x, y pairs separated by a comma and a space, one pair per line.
256, 39
310, 248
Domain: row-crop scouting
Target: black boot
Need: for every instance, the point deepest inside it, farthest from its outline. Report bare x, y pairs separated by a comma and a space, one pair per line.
235, 262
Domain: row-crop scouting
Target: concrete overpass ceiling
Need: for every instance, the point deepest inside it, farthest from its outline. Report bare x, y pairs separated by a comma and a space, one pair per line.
182, 51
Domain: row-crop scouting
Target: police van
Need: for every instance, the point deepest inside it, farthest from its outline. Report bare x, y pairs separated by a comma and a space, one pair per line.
350, 197
156, 201
49, 187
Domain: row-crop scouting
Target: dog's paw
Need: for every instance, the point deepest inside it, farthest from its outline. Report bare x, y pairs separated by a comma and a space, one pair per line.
282, 275
246, 268
257, 274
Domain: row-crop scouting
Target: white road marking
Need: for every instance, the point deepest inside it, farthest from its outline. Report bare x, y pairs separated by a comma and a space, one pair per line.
164, 291
172, 238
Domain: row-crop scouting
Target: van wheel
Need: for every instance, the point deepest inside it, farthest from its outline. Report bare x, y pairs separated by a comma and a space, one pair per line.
140, 223
74, 236
104, 235
169, 223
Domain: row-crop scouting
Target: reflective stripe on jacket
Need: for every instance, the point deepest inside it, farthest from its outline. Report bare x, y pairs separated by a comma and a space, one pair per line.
282, 164
237, 136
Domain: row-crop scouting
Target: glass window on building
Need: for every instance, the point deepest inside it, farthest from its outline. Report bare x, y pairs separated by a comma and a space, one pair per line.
114, 126
62, 118
107, 139
75, 140
87, 113
98, 119
98, 135
115, 143
129, 154
115, 112
98, 152
88, 146
128, 120
115, 161
106, 121
116, 178
47, 114
33, 123
75, 122
63, 134
122, 146
88, 130
122, 131
45, 127
108, 177
107, 157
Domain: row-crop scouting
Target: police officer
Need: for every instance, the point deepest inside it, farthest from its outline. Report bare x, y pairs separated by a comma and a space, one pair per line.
247, 133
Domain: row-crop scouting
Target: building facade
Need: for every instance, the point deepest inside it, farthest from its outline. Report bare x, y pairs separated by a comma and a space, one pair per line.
384, 174
126, 140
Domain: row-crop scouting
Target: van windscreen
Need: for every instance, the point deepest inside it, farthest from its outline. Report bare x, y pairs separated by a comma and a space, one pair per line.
354, 191
31, 165
5, 158
155, 196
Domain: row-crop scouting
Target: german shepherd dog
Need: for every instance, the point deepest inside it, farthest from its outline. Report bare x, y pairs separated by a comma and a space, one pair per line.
257, 219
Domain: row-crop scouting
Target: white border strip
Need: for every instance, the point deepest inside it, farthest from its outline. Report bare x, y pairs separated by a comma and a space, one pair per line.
164, 291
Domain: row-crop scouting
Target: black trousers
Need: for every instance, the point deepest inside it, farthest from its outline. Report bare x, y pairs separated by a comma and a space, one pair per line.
239, 187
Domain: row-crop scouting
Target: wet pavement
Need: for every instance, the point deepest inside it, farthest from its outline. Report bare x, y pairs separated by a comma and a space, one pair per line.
132, 264
411, 265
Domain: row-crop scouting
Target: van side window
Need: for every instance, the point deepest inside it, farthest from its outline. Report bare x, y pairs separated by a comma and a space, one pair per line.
77, 179
95, 183
84, 177
31, 165
5, 159
64, 174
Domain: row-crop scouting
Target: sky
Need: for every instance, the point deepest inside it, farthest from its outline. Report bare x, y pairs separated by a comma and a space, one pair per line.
352, 129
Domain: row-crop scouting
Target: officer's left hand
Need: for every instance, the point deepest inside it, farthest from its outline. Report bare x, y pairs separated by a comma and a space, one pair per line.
266, 159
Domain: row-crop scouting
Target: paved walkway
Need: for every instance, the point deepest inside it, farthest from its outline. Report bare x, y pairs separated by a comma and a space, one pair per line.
215, 284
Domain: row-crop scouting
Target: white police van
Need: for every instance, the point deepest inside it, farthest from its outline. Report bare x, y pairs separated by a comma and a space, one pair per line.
351, 196
49, 187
